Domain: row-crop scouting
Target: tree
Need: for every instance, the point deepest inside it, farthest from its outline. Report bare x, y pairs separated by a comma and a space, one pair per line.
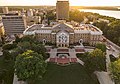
9, 46
115, 71
96, 61
28, 38
7, 55
39, 48
2, 74
30, 66
17, 39
101, 46
101, 25
82, 56
50, 15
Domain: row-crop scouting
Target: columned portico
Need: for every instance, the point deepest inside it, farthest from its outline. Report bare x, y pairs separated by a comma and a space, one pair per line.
62, 39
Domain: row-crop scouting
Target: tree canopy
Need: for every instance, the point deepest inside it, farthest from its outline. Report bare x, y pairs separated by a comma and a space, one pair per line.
115, 71
96, 61
24, 46
29, 66
111, 30
9, 46
101, 46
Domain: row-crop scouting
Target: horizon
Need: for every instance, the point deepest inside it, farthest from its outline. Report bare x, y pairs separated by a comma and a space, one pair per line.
53, 3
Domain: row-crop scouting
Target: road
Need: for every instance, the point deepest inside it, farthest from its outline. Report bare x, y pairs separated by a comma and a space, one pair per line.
1, 53
114, 49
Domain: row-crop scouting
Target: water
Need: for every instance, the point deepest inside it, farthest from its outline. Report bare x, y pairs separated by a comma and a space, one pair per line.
118, 7
115, 14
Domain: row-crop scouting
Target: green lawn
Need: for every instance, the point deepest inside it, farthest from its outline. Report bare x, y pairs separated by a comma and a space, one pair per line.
71, 74
9, 70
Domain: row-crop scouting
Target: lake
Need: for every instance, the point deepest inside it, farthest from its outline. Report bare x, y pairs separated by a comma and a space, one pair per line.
115, 14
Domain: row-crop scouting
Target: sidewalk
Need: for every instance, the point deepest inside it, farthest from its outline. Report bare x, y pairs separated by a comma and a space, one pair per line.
15, 80
104, 77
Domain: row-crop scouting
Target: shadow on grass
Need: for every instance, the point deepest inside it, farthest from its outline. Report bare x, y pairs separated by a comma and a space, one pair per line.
71, 74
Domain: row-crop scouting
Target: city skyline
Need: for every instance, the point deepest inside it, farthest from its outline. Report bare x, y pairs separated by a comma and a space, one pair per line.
53, 2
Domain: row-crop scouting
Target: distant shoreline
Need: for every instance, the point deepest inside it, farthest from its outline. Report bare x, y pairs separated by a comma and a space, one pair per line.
109, 13
114, 8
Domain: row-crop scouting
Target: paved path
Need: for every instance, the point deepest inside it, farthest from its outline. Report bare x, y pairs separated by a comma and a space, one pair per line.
15, 80
108, 60
80, 61
104, 78
53, 53
1, 53
72, 53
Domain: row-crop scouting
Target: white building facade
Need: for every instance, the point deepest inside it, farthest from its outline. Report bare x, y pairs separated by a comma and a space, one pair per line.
64, 35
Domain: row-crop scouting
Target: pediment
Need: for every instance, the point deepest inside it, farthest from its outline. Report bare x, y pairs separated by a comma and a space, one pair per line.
63, 27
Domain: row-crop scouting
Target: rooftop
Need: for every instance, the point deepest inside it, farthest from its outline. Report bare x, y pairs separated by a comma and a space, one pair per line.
82, 28
35, 27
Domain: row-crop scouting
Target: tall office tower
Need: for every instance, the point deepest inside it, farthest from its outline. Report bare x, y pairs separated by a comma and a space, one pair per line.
62, 9
5, 10
14, 24
30, 12
1, 29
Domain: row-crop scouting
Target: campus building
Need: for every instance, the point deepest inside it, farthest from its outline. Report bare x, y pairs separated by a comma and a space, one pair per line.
1, 29
62, 9
64, 34
5, 10
30, 12
14, 24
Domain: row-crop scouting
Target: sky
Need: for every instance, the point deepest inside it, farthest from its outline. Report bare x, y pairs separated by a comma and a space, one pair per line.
53, 2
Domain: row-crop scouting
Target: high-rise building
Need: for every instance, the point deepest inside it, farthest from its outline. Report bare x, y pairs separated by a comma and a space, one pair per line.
5, 10
1, 29
14, 24
30, 12
62, 9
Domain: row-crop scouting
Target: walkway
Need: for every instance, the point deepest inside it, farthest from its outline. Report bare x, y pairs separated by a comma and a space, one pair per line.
15, 80
1, 53
114, 49
53, 53
70, 59
72, 53
104, 78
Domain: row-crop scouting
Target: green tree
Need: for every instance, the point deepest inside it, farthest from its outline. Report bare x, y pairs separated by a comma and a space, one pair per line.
115, 71
82, 56
17, 39
28, 38
9, 46
50, 15
6, 55
101, 46
76, 16
96, 61
39, 48
30, 66
2, 74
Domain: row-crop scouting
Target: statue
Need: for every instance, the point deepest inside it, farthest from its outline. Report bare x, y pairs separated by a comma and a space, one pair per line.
81, 42
44, 41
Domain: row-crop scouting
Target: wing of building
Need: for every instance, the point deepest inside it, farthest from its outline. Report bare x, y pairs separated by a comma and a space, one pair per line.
64, 34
